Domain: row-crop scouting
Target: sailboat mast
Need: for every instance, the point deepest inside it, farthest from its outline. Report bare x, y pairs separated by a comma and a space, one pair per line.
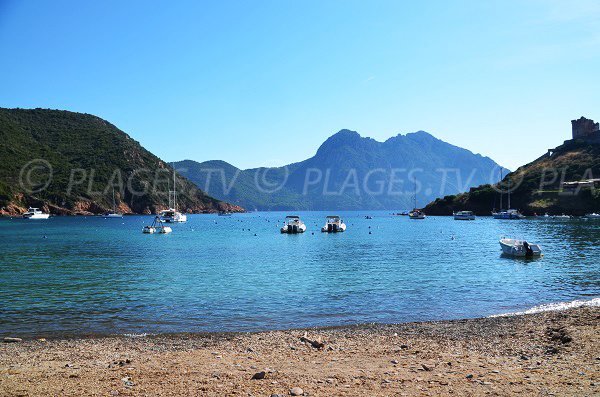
174, 191
114, 204
500, 186
415, 197
508, 194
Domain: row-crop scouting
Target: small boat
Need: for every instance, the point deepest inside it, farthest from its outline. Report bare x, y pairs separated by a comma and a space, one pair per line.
171, 215
113, 213
157, 227
592, 216
508, 214
464, 216
368, 217
293, 225
563, 216
333, 225
35, 213
224, 213
519, 248
416, 213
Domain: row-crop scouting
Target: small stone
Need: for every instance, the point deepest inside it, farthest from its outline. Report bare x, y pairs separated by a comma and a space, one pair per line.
566, 339
394, 362
404, 347
470, 376
276, 395
12, 340
259, 375
296, 391
524, 357
426, 367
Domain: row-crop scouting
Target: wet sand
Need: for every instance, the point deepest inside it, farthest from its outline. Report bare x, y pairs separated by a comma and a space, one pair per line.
551, 353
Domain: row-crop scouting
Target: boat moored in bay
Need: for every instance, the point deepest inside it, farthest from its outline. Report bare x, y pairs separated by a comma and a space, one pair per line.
464, 216
293, 225
519, 248
35, 213
334, 224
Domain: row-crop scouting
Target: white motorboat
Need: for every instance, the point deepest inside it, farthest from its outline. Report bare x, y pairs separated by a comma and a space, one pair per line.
35, 213
171, 215
519, 248
464, 216
592, 216
508, 214
113, 213
157, 226
293, 225
334, 224
563, 216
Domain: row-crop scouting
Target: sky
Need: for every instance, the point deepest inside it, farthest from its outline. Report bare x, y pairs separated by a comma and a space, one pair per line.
264, 83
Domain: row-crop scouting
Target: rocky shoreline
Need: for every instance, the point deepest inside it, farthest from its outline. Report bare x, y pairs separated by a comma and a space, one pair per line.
550, 353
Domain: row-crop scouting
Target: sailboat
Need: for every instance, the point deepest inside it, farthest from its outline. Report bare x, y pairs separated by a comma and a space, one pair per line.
509, 213
113, 213
172, 215
416, 213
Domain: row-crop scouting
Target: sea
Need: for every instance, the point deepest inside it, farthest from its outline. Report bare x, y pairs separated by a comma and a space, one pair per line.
83, 276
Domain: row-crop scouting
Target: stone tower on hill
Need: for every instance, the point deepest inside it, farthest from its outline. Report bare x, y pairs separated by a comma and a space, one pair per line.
586, 129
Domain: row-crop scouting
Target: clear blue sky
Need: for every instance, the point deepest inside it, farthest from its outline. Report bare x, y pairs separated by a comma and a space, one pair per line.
266, 82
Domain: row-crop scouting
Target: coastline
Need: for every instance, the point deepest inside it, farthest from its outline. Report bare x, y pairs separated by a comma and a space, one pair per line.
536, 354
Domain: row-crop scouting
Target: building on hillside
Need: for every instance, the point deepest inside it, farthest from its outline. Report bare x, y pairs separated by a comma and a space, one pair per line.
586, 129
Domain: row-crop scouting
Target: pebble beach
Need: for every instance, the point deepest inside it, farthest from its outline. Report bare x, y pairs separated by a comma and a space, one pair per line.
550, 353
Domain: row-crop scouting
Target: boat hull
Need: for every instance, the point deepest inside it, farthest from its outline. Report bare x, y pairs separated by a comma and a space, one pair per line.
519, 249
36, 216
293, 229
464, 217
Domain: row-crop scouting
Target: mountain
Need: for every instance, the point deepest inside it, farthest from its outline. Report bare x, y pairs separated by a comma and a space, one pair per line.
544, 185
350, 172
68, 163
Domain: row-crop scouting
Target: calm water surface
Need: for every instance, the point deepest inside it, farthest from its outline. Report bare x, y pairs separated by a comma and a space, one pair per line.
86, 275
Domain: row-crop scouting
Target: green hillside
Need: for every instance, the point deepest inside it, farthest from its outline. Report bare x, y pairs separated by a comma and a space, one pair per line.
88, 156
537, 187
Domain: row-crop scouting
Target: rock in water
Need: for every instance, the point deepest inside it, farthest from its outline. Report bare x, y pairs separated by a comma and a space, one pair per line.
296, 391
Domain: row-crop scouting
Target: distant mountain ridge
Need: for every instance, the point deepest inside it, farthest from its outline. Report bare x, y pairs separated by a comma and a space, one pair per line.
350, 172
68, 163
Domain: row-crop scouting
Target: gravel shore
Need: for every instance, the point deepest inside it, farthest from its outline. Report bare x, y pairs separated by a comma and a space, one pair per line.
544, 354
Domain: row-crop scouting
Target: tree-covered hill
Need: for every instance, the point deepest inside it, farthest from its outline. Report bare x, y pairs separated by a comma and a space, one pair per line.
537, 187
69, 162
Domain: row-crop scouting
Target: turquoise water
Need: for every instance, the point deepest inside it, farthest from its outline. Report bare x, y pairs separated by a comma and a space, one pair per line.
86, 275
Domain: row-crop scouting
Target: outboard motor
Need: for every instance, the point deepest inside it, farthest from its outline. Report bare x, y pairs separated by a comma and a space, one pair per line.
289, 228
329, 227
295, 228
528, 250
335, 228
